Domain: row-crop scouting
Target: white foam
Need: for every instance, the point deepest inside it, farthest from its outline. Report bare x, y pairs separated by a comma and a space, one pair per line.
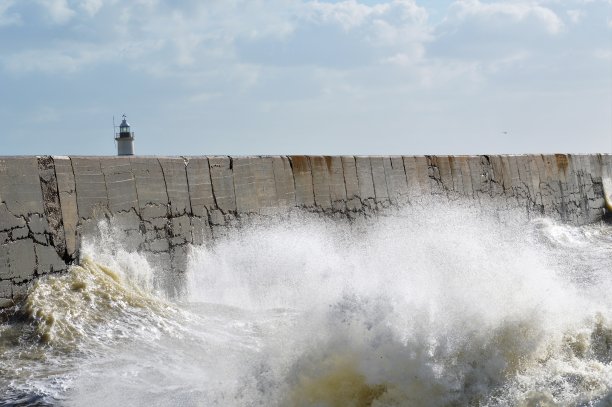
430, 306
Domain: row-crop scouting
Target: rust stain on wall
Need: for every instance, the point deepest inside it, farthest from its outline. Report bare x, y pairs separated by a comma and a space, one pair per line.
320, 162
328, 162
317, 161
562, 162
300, 163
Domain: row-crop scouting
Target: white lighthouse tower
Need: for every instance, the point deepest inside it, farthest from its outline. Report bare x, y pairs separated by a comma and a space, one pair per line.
125, 139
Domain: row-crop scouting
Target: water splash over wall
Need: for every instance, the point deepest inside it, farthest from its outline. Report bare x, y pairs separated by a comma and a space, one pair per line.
411, 309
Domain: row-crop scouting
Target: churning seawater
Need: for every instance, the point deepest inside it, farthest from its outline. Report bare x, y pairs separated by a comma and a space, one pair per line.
426, 307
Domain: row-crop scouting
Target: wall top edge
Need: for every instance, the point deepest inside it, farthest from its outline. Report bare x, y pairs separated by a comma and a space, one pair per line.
188, 157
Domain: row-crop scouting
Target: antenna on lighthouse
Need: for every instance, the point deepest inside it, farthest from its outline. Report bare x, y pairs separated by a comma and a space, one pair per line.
125, 138
114, 130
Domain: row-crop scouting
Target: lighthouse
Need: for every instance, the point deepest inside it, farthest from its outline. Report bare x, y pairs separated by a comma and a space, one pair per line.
125, 139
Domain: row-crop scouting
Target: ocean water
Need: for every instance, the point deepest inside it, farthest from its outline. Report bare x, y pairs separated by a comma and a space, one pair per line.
424, 307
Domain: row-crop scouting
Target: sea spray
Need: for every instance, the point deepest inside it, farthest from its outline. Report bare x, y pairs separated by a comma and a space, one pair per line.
421, 310
437, 306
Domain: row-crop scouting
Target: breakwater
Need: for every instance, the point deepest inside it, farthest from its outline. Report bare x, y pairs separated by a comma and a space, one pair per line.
165, 204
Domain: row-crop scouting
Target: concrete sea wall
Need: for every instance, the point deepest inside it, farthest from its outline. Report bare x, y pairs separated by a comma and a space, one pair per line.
47, 204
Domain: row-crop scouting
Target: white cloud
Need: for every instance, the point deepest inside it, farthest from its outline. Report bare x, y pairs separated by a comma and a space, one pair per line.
393, 32
204, 45
202, 36
185, 39
348, 14
197, 35
58, 10
605, 54
515, 11
402, 23
7, 18
204, 97
400, 59
91, 7
575, 16
507, 63
48, 61
70, 57
389, 23
440, 74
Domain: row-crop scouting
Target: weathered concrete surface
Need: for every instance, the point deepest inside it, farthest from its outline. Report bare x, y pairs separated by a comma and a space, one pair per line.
47, 204
29, 205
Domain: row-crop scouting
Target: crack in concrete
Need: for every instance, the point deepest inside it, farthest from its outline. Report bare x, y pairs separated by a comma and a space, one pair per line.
186, 162
293, 177
212, 185
168, 202
344, 178
312, 181
388, 200
408, 192
105, 185
231, 168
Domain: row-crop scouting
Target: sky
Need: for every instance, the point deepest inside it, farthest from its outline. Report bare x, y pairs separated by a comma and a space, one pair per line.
254, 77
